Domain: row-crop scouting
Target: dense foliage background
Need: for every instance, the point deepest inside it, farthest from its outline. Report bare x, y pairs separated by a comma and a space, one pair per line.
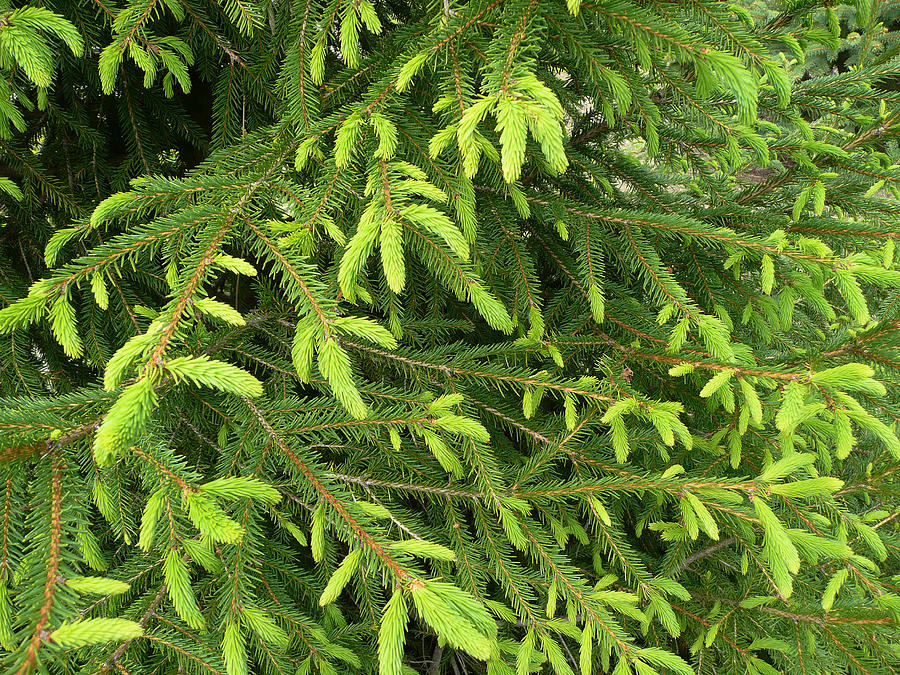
499, 336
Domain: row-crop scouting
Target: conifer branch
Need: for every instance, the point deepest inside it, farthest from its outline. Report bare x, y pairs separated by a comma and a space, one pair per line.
474, 335
40, 633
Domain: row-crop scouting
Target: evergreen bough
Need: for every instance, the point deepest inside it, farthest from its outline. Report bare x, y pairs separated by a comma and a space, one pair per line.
490, 336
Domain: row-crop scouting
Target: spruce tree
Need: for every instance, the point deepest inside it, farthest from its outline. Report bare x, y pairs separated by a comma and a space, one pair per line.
449, 336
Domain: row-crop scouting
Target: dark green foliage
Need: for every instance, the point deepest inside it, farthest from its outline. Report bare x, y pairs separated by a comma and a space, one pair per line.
499, 336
